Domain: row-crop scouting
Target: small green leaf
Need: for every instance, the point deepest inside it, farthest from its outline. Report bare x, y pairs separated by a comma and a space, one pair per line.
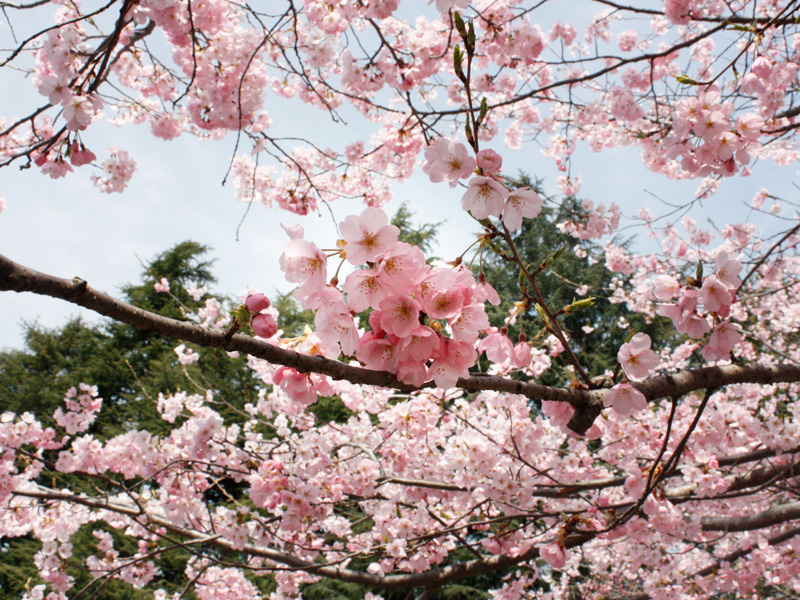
458, 57
548, 262
484, 109
686, 80
459, 22
542, 315
580, 305
241, 314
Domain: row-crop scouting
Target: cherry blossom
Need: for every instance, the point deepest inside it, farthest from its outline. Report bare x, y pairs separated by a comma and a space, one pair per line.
448, 161
485, 197
368, 236
625, 399
521, 203
636, 357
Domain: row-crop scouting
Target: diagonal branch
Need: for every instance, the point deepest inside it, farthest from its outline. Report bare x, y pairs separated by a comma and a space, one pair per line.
587, 403
772, 516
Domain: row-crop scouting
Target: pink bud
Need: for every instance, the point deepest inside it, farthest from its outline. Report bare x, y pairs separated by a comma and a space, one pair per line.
264, 325
255, 303
489, 160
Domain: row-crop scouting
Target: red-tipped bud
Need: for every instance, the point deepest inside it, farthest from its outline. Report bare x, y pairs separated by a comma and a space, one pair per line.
264, 325
255, 303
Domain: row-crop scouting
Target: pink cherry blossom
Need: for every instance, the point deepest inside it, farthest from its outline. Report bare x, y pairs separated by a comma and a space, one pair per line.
497, 346
305, 264
484, 292
666, 287
80, 156
555, 554
728, 270
484, 198
445, 303
725, 336
489, 160
264, 325
636, 357
448, 161
363, 290
714, 294
521, 203
454, 361
257, 303
56, 88
625, 399
368, 236
400, 315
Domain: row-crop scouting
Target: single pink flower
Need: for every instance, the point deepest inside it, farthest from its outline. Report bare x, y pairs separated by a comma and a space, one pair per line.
728, 270
554, 553
484, 198
666, 287
367, 236
497, 346
726, 335
304, 264
256, 303
521, 203
714, 294
455, 360
489, 160
625, 399
448, 161
264, 325
400, 315
401, 268
484, 292
445, 304
636, 357
363, 290
470, 323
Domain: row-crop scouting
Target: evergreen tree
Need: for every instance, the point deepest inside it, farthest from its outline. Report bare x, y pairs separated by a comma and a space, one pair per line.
129, 370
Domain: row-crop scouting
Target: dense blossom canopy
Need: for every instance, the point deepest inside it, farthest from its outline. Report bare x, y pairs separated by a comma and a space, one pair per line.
672, 475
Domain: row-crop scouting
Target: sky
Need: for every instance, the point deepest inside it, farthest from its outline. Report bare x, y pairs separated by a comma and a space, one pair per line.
68, 228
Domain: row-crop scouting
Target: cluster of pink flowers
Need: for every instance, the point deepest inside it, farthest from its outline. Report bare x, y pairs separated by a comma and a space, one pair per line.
595, 223
716, 293
414, 304
768, 80
81, 409
118, 169
719, 147
486, 195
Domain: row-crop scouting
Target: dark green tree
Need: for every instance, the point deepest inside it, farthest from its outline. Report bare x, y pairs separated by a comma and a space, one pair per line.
129, 370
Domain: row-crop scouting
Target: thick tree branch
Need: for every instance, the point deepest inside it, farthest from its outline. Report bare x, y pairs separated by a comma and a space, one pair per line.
587, 403
17, 278
773, 516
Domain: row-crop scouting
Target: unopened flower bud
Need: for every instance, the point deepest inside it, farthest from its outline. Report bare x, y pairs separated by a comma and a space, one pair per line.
580, 305
264, 325
255, 303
